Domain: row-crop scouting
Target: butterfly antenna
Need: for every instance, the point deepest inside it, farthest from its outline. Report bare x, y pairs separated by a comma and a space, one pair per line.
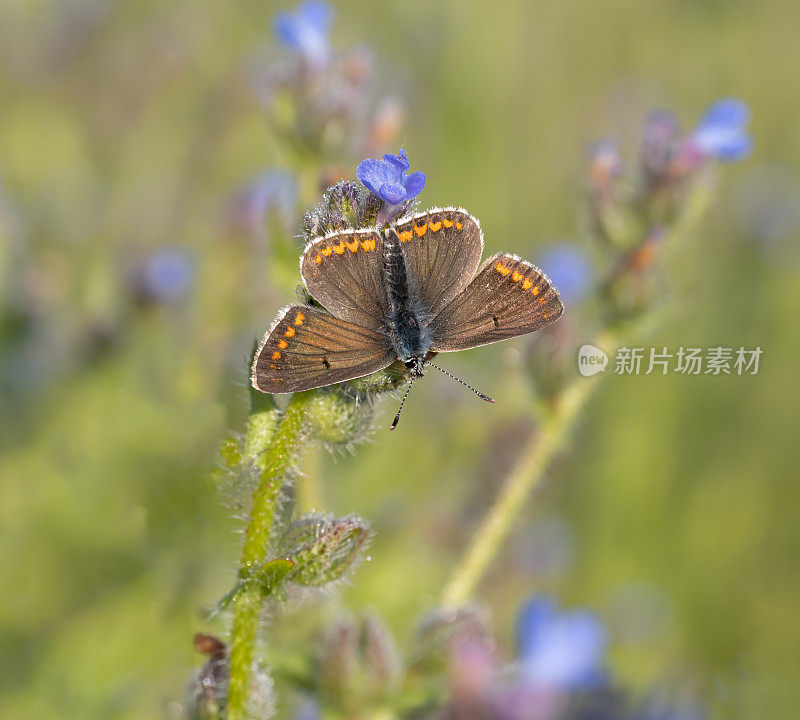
402, 402
466, 385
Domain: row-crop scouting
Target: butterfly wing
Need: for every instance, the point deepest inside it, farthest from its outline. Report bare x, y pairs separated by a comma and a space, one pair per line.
442, 249
343, 272
508, 297
307, 348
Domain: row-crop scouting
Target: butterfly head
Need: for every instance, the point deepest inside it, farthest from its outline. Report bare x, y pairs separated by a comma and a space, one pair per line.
415, 366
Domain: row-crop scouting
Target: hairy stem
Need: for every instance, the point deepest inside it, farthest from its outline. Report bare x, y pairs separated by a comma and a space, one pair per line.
275, 462
522, 480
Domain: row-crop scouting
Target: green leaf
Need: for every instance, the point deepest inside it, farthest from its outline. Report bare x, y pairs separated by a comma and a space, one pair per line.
271, 574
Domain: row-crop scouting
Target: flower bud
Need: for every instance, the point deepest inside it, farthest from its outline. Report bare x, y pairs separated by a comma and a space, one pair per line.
608, 214
359, 663
381, 658
635, 282
338, 418
346, 205
660, 148
323, 548
382, 381
443, 632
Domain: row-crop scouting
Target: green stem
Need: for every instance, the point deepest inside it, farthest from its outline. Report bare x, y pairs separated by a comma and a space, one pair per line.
524, 478
276, 461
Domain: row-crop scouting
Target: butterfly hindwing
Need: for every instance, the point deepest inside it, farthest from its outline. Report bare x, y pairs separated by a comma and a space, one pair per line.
343, 272
508, 297
307, 347
442, 249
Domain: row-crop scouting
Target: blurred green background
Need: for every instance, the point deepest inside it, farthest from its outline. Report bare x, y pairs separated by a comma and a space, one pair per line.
126, 126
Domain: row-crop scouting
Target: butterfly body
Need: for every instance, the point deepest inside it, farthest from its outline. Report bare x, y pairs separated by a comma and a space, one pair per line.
403, 293
408, 319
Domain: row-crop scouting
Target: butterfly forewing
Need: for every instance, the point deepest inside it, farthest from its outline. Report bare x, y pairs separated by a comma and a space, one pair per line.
307, 348
343, 272
508, 297
442, 249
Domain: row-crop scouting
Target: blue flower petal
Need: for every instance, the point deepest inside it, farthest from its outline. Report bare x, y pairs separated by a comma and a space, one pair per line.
392, 193
414, 183
399, 161
728, 111
373, 174
722, 131
560, 650
531, 619
305, 30
722, 143
316, 13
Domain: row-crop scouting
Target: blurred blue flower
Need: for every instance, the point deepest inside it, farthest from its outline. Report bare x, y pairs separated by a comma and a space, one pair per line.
306, 708
306, 31
559, 650
273, 189
166, 275
569, 269
722, 131
387, 178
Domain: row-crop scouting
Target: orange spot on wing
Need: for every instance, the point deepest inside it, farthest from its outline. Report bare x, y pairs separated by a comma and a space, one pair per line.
318, 259
406, 235
299, 319
282, 344
289, 332
327, 250
339, 249
526, 284
458, 226
368, 244
535, 291
502, 269
421, 229
276, 355
447, 223
516, 276
273, 366
353, 246
435, 226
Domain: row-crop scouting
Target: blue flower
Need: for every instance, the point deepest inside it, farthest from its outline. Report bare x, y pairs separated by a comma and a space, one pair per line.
166, 276
559, 650
722, 131
569, 269
274, 189
387, 178
305, 30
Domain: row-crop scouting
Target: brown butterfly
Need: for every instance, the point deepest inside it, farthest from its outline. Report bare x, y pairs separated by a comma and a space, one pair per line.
404, 293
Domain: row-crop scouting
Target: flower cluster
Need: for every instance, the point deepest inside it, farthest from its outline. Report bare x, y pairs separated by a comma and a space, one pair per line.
559, 672
632, 218
319, 100
324, 111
